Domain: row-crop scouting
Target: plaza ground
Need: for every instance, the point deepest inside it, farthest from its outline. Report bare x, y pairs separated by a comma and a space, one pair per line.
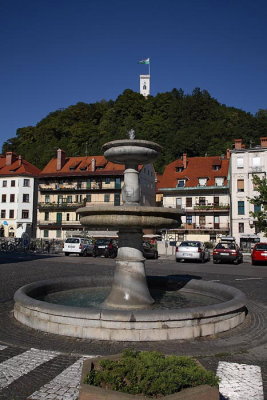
246, 344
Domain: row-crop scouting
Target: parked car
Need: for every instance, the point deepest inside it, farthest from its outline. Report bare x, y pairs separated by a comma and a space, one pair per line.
227, 251
259, 253
149, 251
78, 245
102, 247
192, 250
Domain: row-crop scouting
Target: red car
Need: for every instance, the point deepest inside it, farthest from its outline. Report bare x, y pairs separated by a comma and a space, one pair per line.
259, 253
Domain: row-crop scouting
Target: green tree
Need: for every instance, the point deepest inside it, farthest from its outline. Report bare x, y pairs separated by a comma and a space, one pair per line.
260, 201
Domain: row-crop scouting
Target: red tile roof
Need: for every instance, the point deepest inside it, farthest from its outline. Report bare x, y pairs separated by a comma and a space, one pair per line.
197, 167
18, 166
82, 166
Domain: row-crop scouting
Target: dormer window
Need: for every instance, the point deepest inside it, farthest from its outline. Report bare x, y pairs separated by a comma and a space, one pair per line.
179, 169
216, 167
219, 181
202, 181
181, 183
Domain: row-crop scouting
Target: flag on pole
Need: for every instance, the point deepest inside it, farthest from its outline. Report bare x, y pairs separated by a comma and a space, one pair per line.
146, 61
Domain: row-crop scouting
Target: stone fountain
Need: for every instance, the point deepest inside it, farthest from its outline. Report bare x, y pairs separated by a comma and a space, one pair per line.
127, 313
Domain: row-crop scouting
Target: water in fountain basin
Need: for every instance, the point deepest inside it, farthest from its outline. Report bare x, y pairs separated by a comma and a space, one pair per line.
93, 297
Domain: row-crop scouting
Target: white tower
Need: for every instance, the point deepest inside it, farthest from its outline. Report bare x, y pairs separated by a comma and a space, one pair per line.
145, 85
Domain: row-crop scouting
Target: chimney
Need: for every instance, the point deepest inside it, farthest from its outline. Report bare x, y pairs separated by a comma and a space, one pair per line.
263, 141
93, 164
10, 157
61, 158
238, 144
184, 160
228, 154
20, 160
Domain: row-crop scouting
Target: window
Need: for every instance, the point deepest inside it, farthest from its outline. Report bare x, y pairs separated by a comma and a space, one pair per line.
202, 181
202, 221
107, 180
257, 208
216, 167
11, 213
88, 198
241, 207
77, 217
240, 162
25, 214
58, 233
179, 169
67, 217
3, 213
189, 202
202, 201
46, 233
106, 198
47, 198
4, 183
189, 219
13, 183
46, 216
26, 198
241, 227
256, 161
240, 185
219, 181
3, 198
180, 183
69, 199
26, 182
12, 198
60, 199
179, 203
216, 200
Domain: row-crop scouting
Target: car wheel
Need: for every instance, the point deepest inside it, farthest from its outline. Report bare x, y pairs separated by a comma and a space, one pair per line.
215, 262
177, 259
253, 262
67, 254
156, 255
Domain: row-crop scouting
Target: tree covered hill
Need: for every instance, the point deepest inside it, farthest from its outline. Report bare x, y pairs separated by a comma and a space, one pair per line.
196, 124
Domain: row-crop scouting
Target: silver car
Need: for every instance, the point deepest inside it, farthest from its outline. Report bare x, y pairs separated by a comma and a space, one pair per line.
192, 250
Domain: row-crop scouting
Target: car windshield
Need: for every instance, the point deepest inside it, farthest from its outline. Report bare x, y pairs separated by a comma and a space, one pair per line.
100, 242
261, 246
226, 245
72, 240
190, 244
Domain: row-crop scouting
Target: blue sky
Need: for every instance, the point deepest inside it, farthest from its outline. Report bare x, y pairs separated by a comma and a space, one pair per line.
55, 53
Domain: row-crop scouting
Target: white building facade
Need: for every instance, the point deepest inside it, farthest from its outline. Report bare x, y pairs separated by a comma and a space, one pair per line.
18, 196
245, 163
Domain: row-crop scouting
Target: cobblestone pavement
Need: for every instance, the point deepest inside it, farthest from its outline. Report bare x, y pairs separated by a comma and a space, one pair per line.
35, 365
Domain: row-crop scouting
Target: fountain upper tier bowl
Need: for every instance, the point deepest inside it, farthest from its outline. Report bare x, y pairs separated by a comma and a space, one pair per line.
125, 151
129, 216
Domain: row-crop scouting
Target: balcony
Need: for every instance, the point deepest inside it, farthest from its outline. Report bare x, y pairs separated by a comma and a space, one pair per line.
253, 170
205, 227
211, 207
60, 206
58, 225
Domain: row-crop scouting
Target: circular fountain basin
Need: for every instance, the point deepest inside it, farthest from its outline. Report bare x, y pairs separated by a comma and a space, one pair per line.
226, 311
125, 151
129, 216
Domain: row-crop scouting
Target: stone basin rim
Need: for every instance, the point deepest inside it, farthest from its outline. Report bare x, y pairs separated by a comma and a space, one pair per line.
132, 142
236, 301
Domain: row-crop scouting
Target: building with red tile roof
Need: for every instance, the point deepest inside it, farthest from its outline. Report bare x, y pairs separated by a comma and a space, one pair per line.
67, 183
199, 186
18, 191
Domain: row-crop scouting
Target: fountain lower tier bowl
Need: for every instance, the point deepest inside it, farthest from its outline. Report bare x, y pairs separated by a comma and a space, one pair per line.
130, 216
226, 311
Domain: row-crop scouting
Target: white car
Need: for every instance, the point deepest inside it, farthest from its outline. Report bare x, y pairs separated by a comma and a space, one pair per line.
192, 250
81, 246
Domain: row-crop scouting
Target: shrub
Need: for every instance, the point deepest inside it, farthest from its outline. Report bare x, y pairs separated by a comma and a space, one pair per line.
150, 374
